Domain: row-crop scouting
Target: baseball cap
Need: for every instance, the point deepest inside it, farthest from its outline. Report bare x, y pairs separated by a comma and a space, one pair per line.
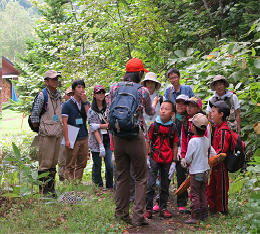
182, 97
135, 65
152, 77
68, 90
51, 74
195, 100
200, 121
98, 88
218, 78
223, 107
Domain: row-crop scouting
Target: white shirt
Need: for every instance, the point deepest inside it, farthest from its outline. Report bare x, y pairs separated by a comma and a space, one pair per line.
197, 154
227, 94
151, 118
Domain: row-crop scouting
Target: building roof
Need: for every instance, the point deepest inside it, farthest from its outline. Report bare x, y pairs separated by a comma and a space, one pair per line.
8, 67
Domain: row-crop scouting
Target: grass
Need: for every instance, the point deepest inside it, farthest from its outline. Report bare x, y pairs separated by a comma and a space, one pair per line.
94, 214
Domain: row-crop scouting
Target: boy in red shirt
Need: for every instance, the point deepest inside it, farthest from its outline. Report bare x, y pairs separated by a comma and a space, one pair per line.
219, 182
163, 153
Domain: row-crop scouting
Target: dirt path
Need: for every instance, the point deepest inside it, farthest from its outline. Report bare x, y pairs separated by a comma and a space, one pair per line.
176, 224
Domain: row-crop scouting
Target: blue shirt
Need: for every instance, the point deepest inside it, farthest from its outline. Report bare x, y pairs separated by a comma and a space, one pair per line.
184, 89
72, 113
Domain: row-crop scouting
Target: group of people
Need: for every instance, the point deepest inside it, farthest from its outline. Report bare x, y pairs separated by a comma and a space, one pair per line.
171, 134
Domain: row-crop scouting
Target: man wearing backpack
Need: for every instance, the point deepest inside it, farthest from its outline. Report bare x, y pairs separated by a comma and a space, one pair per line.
127, 100
50, 130
219, 183
219, 84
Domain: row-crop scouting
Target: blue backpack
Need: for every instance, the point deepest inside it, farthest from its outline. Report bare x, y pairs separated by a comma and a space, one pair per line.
124, 111
44, 109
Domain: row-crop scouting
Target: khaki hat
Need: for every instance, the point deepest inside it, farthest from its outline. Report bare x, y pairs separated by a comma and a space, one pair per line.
68, 90
151, 76
200, 121
51, 74
218, 78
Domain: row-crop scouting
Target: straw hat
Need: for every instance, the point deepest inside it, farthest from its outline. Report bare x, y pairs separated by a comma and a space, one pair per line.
152, 77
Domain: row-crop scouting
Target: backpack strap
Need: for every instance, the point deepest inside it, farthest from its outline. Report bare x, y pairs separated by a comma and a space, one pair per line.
172, 129
76, 107
170, 95
155, 131
45, 103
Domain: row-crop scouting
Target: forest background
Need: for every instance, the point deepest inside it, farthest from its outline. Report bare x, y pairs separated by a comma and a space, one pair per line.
93, 40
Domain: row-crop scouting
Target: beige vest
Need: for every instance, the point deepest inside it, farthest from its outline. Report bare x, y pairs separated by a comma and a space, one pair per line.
47, 126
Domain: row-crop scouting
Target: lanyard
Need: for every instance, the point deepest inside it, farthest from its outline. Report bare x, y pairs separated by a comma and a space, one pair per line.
54, 109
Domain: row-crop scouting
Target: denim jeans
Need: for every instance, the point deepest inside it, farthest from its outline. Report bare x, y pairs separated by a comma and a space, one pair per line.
97, 165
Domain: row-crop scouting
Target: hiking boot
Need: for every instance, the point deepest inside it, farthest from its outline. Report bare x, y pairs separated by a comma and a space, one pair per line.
195, 217
192, 221
156, 208
184, 211
43, 187
165, 213
143, 223
51, 183
149, 214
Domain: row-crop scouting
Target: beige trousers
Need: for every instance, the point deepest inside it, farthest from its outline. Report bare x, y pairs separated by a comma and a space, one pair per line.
76, 160
49, 148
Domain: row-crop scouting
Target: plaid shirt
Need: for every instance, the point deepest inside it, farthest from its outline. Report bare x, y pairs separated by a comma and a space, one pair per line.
38, 105
144, 101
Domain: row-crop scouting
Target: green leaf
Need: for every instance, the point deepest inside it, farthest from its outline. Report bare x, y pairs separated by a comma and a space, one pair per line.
43, 175
17, 153
51, 39
253, 51
9, 159
78, 49
179, 53
230, 48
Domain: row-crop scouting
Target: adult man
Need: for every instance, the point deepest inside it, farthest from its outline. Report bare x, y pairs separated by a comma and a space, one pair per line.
171, 93
132, 151
50, 130
219, 84
74, 112
63, 152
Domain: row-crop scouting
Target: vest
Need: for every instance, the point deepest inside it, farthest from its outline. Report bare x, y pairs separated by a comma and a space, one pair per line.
231, 119
47, 126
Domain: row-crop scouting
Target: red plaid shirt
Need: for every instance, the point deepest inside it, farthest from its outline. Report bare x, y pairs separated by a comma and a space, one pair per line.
144, 101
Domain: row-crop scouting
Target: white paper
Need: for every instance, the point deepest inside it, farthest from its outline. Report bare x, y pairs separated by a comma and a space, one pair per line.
72, 134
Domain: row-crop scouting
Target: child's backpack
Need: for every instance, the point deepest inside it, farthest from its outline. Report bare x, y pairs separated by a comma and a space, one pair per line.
124, 111
162, 137
236, 157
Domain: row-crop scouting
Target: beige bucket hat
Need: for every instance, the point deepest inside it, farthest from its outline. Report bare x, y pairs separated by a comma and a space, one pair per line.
217, 78
151, 76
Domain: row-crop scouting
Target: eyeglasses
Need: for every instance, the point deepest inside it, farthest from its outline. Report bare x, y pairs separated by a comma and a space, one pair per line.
174, 78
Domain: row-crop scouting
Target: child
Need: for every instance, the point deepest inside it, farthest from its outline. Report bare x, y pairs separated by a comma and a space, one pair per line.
99, 141
194, 105
197, 155
163, 150
219, 182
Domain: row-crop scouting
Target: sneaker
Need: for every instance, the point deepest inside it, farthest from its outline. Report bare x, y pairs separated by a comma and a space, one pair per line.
149, 214
156, 208
165, 213
192, 221
184, 211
